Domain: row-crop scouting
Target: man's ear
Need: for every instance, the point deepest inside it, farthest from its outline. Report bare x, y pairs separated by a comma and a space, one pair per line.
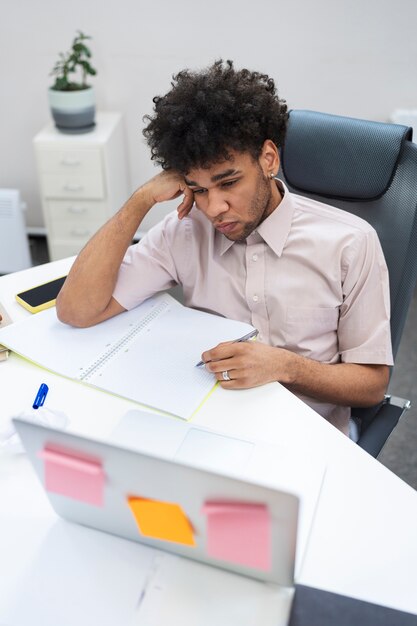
269, 158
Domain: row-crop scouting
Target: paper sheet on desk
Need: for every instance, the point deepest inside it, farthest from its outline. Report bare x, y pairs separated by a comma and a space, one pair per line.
76, 576
147, 354
183, 592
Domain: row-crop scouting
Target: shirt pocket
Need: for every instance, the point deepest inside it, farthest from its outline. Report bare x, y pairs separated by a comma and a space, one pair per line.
312, 331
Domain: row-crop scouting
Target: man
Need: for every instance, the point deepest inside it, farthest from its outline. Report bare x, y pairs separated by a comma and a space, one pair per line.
311, 278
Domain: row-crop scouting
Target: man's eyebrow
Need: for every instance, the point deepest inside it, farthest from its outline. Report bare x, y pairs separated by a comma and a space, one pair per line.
226, 174
215, 178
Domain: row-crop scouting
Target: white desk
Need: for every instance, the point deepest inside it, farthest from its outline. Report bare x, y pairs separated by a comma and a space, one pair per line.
363, 542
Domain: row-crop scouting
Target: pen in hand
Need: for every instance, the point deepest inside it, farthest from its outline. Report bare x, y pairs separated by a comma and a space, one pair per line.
253, 333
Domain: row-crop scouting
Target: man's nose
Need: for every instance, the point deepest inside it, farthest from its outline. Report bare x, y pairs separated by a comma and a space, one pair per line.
216, 205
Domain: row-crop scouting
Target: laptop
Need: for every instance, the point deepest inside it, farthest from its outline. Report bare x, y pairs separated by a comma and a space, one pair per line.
181, 488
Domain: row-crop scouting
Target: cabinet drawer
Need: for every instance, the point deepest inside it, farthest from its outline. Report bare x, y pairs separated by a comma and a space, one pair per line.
76, 211
69, 161
63, 249
75, 186
74, 230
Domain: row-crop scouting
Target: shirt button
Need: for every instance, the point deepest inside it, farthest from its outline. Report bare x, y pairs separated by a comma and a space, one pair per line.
255, 298
254, 257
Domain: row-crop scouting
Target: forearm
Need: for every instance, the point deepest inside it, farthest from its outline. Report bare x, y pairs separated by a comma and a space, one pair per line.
251, 364
349, 384
90, 283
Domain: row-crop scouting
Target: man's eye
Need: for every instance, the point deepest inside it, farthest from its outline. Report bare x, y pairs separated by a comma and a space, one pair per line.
228, 183
199, 191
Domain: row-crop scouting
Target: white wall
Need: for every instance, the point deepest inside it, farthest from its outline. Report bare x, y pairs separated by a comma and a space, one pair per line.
349, 57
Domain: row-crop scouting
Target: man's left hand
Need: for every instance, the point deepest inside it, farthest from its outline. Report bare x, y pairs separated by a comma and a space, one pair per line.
248, 364
251, 363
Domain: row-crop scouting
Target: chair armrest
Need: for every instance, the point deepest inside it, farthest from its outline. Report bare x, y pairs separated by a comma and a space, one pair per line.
374, 436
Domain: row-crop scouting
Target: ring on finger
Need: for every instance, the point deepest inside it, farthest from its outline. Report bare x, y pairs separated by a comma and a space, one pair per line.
226, 376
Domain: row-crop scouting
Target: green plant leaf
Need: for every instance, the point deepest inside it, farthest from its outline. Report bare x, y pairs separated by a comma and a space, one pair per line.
75, 59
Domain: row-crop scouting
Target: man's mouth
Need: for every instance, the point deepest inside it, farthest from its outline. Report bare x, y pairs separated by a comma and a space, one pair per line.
225, 227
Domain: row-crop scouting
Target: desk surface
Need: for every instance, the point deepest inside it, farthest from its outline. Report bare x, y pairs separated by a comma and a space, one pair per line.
363, 542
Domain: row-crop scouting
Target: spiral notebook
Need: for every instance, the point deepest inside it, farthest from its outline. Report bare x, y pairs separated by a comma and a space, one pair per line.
147, 354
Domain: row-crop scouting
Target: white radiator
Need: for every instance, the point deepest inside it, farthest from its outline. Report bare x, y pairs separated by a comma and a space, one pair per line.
14, 245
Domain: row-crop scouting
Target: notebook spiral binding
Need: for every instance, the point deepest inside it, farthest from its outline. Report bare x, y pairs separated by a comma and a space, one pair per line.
92, 369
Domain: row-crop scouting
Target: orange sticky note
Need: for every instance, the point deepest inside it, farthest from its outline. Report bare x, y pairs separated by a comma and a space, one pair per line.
162, 520
76, 477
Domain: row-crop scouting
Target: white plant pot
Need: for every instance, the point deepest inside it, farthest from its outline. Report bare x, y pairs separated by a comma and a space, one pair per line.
73, 111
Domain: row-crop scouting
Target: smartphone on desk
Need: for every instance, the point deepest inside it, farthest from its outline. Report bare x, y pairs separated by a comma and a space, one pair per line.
42, 296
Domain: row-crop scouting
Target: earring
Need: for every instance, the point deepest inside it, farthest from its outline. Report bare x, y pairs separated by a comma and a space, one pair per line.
271, 175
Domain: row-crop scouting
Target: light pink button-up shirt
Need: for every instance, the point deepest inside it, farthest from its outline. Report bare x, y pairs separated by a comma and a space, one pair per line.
311, 278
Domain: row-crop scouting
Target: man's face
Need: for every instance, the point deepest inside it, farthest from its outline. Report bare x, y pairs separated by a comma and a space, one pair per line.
235, 195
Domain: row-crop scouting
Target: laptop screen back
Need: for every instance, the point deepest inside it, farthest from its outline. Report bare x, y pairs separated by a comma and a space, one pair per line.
170, 504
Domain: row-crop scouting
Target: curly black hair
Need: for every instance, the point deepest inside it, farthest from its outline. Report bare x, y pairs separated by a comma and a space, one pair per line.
206, 114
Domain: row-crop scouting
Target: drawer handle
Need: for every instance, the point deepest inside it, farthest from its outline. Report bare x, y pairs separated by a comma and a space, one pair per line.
73, 187
70, 162
79, 233
77, 209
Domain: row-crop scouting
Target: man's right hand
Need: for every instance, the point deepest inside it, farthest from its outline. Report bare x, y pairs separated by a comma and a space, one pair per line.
168, 185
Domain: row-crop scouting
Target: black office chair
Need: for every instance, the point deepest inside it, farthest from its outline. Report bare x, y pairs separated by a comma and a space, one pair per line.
369, 169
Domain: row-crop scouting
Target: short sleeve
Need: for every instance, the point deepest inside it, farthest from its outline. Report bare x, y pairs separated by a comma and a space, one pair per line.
364, 325
151, 265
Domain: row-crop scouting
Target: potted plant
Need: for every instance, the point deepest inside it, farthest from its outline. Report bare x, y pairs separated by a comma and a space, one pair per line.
71, 99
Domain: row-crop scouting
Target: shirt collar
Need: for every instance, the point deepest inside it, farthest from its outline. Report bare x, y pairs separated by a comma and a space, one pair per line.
273, 230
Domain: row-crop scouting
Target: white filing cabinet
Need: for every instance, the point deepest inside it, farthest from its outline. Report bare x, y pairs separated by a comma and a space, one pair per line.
83, 180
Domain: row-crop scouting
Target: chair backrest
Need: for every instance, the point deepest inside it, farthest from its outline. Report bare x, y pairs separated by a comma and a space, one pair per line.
369, 169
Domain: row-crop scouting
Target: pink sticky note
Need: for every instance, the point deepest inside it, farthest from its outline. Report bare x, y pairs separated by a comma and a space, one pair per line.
73, 476
239, 532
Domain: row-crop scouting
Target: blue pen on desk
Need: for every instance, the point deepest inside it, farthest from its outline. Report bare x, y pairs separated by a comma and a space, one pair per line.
253, 333
40, 396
